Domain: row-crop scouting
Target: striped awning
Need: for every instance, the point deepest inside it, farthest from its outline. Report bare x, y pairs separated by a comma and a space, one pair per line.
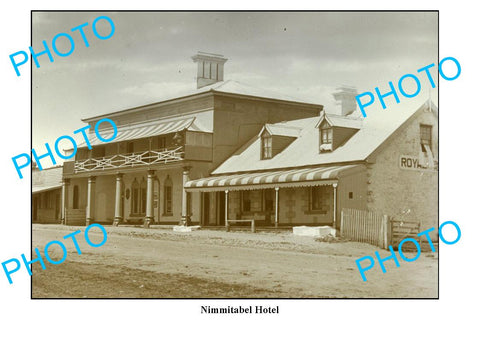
281, 178
143, 131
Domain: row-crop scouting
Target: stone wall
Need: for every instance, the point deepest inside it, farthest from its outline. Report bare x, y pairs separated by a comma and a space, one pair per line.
408, 195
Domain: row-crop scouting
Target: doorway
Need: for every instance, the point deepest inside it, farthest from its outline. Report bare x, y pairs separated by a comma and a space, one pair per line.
35, 207
221, 207
57, 208
206, 208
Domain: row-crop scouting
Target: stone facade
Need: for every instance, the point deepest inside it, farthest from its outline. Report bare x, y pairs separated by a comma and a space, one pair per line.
404, 194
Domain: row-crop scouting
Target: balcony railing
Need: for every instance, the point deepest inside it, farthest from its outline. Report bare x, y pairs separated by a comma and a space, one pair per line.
130, 160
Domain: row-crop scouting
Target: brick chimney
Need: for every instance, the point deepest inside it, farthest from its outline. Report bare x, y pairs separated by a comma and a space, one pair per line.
209, 68
345, 97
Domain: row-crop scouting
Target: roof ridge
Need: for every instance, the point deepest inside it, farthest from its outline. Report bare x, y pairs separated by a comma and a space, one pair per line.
277, 94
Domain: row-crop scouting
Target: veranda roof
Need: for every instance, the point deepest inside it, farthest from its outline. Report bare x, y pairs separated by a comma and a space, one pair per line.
137, 132
47, 179
271, 179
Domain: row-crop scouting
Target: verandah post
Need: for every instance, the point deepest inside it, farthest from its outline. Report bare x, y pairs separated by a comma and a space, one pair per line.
334, 205
226, 210
65, 183
276, 206
185, 213
90, 200
149, 218
118, 218
342, 222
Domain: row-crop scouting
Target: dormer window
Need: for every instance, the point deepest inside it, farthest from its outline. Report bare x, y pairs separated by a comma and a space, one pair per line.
275, 138
326, 137
266, 146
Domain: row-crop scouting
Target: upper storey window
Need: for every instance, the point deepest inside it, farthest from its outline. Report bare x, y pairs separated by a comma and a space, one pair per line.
335, 131
426, 157
426, 137
326, 137
266, 146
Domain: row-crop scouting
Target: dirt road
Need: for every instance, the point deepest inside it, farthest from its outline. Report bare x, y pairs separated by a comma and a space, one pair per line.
136, 262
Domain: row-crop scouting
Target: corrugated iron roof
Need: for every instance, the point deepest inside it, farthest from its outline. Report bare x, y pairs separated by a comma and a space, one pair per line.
137, 131
342, 121
46, 179
304, 150
143, 131
226, 86
37, 190
282, 129
236, 87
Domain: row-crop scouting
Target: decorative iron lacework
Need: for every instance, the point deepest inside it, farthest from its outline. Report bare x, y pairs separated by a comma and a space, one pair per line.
130, 160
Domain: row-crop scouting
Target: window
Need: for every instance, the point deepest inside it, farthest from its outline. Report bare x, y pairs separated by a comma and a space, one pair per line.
162, 142
319, 198
268, 199
98, 151
130, 147
350, 195
246, 201
266, 146
426, 137
256, 201
139, 197
167, 196
75, 197
135, 190
326, 135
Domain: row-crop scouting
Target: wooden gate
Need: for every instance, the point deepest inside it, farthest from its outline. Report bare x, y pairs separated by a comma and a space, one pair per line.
365, 226
402, 230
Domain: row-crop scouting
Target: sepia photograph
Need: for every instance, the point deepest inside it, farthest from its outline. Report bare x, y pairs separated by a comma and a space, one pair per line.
234, 155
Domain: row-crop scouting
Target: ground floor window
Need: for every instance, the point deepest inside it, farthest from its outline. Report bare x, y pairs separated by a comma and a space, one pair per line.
258, 200
139, 197
319, 198
167, 196
268, 199
246, 201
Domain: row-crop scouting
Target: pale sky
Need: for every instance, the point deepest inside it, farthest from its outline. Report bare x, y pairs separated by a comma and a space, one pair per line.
148, 59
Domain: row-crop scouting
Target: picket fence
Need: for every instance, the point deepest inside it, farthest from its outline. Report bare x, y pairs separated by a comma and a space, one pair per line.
365, 226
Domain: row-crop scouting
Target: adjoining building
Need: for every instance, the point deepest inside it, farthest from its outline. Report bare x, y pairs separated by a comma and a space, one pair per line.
305, 171
139, 177
46, 194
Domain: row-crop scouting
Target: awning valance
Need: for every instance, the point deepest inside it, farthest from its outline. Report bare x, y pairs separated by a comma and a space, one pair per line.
137, 132
264, 180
